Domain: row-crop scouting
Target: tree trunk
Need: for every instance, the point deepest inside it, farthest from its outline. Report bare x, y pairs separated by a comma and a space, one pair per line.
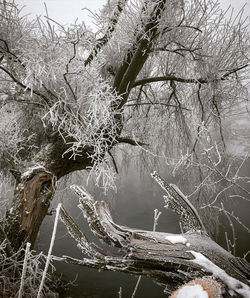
32, 196
35, 187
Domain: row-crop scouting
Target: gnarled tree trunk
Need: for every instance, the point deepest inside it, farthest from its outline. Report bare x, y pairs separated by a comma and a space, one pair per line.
32, 196
35, 187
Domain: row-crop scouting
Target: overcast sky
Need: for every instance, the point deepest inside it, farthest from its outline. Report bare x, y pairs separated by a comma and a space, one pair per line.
63, 11
67, 11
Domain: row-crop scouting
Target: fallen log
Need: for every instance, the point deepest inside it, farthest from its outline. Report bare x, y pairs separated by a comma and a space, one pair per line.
169, 259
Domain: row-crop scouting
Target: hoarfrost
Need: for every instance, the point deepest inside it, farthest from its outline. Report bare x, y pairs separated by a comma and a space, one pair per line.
49, 257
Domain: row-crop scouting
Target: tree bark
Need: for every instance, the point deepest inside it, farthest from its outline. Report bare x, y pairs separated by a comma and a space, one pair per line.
32, 196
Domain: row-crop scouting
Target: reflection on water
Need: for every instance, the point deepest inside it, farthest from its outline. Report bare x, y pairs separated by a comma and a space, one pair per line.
136, 198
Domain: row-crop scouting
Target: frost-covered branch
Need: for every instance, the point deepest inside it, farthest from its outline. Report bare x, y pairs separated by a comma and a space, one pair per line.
15, 80
111, 27
179, 203
168, 258
49, 256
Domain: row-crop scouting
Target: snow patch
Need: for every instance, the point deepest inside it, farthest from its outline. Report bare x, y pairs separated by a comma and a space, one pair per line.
194, 291
233, 284
176, 239
31, 170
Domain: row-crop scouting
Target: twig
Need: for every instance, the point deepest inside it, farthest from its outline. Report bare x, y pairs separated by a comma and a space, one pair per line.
157, 214
120, 292
136, 286
67, 72
127, 140
24, 269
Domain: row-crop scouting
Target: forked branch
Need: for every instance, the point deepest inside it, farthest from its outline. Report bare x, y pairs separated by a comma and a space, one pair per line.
190, 220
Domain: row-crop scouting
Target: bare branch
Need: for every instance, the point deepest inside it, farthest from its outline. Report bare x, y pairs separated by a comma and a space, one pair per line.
130, 141
23, 86
185, 80
168, 78
155, 103
67, 72
113, 160
13, 98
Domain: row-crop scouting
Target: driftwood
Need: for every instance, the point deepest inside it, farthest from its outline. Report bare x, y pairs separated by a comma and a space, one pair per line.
169, 259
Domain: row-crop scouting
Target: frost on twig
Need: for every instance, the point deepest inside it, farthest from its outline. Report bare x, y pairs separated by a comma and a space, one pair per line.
49, 257
27, 251
21, 276
177, 201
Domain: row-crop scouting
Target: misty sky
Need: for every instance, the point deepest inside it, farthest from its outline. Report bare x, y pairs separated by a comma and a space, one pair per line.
67, 11
63, 11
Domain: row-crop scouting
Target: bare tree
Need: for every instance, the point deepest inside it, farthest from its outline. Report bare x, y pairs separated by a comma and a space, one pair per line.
157, 73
